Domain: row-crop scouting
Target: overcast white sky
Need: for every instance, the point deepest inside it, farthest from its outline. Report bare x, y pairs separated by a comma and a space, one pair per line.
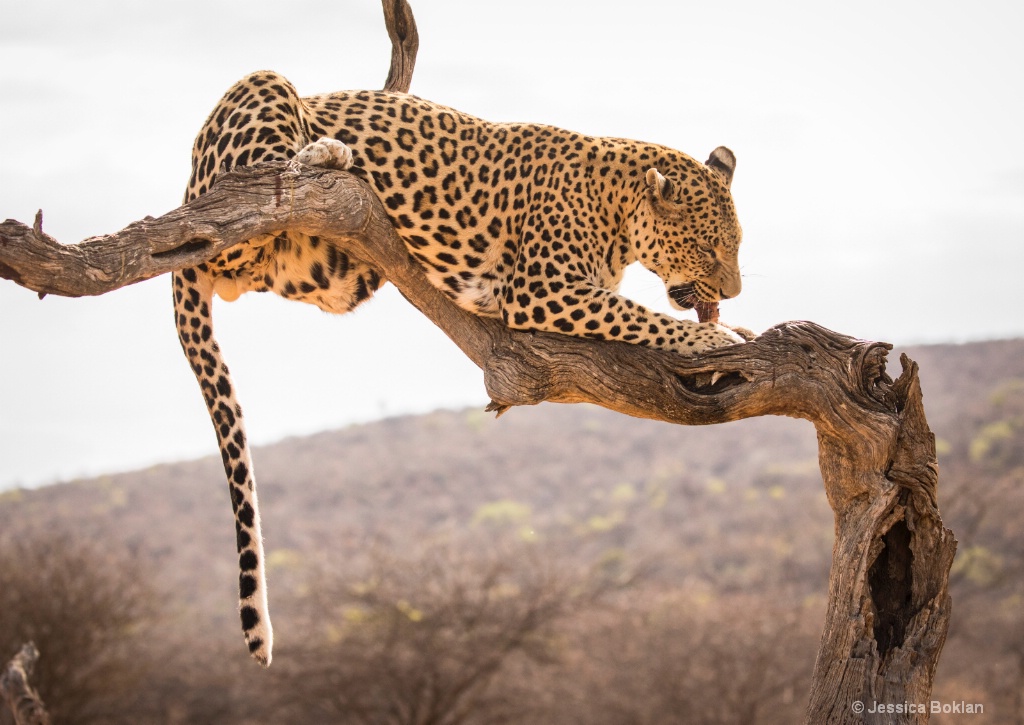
880, 184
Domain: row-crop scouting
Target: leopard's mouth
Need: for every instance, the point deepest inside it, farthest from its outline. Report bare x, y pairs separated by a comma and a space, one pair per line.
684, 295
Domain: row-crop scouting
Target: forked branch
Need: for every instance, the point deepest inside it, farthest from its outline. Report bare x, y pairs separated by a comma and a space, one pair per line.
889, 608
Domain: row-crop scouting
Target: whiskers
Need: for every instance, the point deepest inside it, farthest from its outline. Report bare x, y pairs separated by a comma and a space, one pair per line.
644, 286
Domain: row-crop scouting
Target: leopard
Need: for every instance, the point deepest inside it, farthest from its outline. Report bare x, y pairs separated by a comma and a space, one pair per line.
524, 222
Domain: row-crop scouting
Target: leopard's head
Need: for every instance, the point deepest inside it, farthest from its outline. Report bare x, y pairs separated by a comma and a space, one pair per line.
685, 230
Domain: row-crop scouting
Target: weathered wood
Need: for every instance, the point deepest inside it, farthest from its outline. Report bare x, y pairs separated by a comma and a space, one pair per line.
21, 697
405, 42
889, 605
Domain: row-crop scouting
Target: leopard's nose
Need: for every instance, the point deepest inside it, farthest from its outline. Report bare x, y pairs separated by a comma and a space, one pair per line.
730, 288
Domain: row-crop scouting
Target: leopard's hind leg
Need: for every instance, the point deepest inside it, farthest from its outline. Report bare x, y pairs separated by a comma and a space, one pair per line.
193, 297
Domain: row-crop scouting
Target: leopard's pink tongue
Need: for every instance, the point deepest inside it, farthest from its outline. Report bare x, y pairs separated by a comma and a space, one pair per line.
706, 311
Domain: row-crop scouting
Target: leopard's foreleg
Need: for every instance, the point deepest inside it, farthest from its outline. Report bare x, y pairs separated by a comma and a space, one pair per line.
582, 309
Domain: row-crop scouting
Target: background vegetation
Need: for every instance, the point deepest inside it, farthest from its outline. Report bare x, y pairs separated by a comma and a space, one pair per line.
559, 565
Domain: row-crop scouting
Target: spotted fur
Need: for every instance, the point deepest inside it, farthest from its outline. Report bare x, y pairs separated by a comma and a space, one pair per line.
528, 223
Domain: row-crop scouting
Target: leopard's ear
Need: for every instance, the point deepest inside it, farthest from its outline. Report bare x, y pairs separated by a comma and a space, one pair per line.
659, 189
723, 161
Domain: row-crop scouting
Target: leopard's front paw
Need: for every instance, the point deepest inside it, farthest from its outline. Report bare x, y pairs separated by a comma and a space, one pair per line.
328, 153
711, 335
747, 334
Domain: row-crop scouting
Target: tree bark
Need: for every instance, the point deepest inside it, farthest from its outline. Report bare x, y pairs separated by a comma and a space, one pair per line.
22, 698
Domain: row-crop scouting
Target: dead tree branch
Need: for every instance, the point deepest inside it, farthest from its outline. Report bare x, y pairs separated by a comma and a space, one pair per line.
22, 698
889, 605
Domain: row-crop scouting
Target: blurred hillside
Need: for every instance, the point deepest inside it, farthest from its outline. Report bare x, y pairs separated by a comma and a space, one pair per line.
562, 564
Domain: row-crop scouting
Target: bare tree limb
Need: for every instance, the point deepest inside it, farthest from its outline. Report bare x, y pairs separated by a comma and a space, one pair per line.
405, 42
889, 605
22, 698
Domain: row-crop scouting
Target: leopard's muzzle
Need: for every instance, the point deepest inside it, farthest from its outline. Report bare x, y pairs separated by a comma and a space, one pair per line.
684, 295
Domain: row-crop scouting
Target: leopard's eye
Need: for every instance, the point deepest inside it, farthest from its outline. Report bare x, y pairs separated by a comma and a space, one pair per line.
710, 251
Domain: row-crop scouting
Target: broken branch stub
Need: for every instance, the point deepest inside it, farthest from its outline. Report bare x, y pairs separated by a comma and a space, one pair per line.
23, 700
405, 43
889, 605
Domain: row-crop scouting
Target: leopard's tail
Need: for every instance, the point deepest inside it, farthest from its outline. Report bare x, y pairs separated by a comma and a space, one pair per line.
193, 297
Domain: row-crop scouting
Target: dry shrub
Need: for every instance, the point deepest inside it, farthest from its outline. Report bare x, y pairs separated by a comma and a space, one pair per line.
444, 636
84, 607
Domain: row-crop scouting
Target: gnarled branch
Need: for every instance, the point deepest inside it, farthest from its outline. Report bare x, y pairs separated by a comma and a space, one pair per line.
889, 606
